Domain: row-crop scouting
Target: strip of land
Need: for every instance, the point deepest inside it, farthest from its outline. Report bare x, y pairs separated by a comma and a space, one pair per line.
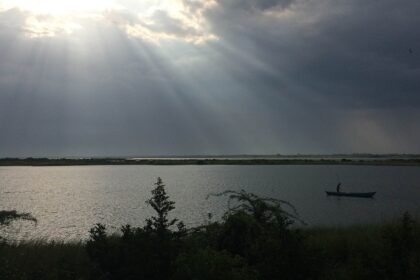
390, 160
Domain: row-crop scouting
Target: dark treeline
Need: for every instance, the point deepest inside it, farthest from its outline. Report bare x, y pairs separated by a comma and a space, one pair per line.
297, 160
255, 239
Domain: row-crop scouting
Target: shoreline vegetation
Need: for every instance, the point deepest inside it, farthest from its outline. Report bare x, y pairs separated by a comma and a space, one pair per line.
356, 159
255, 239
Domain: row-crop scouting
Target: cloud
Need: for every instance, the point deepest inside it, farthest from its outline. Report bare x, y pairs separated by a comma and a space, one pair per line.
161, 25
252, 5
210, 76
355, 54
173, 20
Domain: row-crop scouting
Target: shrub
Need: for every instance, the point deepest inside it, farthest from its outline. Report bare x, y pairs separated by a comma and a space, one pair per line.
140, 252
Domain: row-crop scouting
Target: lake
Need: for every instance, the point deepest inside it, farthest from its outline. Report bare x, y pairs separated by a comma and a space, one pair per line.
68, 201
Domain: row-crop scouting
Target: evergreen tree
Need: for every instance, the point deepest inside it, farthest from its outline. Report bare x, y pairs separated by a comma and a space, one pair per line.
162, 205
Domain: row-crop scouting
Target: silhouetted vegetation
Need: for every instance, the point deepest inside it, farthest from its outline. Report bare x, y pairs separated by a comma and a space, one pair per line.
8, 216
390, 251
257, 238
140, 252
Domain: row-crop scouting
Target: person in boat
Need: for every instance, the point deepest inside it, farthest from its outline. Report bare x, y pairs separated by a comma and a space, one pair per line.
338, 187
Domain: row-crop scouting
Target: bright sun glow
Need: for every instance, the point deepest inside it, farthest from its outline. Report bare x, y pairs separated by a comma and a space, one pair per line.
153, 20
59, 7
48, 18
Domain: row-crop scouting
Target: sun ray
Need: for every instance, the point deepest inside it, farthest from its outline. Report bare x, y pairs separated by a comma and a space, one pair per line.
152, 20
59, 8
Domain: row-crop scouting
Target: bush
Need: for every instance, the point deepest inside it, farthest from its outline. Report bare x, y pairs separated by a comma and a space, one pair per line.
139, 253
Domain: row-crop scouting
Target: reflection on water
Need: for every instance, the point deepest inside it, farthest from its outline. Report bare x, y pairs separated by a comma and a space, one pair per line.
67, 201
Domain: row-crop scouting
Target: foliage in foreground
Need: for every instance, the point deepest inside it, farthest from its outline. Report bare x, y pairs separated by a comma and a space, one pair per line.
254, 240
6, 217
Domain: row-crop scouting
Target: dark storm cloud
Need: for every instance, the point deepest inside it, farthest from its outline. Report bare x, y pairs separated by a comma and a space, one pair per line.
353, 52
334, 63
296, 76
253, 4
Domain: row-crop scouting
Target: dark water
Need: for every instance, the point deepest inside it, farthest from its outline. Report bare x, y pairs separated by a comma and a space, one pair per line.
68, 200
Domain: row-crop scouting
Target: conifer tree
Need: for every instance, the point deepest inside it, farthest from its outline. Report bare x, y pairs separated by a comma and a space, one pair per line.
162, 205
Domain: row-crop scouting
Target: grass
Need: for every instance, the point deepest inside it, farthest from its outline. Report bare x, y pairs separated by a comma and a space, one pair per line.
384, 251
40, 259
357, 252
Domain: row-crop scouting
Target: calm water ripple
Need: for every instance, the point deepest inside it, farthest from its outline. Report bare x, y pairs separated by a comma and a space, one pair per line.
68, 201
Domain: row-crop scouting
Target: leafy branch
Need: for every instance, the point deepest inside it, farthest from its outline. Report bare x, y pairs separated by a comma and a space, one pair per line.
6, 217
263, 209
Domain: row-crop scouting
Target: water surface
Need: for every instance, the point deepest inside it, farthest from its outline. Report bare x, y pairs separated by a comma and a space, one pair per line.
68, 201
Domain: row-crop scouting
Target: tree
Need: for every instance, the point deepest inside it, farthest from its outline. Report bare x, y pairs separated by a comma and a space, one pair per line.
162, 205
264, 210
164, 243
258, 230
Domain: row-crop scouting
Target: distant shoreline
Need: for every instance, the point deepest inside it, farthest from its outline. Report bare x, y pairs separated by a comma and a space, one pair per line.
289, 160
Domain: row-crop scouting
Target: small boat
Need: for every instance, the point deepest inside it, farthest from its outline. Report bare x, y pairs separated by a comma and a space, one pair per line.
352, 194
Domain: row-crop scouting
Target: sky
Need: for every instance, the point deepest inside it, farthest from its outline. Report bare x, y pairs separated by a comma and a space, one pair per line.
194, 77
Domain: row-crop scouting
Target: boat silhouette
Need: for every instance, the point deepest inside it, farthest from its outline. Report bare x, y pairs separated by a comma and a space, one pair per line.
351, 194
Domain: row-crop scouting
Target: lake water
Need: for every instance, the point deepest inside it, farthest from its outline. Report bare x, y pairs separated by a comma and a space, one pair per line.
68, 201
